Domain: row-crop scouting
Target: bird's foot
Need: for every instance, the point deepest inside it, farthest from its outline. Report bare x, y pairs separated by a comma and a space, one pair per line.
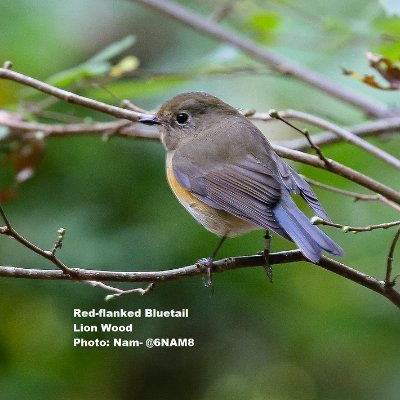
267, 246
268, 267
207, 264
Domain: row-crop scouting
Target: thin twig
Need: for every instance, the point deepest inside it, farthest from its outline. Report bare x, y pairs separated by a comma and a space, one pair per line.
354, 229
356, 196
139, 291
8, 230
305, 133
341, 170
119, 292
58, 243
370, 128
388, 280
221, 11
34, 130
343, 133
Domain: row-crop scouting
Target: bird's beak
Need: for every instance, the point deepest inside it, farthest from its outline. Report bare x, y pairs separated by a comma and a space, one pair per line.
149, 120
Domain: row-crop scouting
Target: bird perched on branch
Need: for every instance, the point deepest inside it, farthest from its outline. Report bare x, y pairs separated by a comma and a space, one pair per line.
225, 173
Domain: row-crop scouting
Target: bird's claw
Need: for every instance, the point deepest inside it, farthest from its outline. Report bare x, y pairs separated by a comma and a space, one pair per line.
206, 263
267, 246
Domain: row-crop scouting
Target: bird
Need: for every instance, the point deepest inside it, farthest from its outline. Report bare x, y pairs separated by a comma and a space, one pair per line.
226, 174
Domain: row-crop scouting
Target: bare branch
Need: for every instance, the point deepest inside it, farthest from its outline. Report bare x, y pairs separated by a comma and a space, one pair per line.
354, 195
343, 133
68, 96
354, 229
119, 292
34, 130
388, 280
219, 266
131, 131
370, 128
14, 122
95, 278
341, 170
305, 133
8, 230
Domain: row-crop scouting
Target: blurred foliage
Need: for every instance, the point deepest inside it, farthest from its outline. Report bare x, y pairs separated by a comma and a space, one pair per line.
310, 334
388, 70
98, 65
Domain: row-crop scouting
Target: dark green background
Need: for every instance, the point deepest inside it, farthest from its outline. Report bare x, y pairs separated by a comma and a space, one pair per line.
309, 335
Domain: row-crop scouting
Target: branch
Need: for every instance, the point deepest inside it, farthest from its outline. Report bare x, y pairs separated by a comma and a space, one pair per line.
388, 280
219, 266
370, 128
340, 132
354, 195
122, 113
274, 61
8, 230
68, 96
354, 229
305, 133
341, 170
94, 278
33, 130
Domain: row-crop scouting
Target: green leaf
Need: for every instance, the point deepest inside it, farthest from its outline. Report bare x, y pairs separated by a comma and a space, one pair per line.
113, 50
134, 88
263, 24
69, 76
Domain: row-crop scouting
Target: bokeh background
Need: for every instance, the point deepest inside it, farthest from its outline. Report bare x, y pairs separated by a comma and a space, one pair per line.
310, 334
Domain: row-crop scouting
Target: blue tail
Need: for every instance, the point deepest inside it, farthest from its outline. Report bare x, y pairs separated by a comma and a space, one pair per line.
310, 239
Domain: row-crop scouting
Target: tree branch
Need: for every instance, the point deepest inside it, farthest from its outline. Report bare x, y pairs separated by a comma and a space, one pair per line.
388, 279
274, 61
68, 96
95, 278
118, 112
341, 170
342, 133
354, 229
354, 195
370, 128
33, 130
226, 264
8, 230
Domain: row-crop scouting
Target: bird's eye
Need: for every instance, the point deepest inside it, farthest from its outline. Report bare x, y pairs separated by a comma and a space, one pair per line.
182, 118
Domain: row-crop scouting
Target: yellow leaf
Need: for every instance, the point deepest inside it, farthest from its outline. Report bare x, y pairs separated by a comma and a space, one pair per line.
127, 64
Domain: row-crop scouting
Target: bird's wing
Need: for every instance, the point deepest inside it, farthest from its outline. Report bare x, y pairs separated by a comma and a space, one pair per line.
246, 188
